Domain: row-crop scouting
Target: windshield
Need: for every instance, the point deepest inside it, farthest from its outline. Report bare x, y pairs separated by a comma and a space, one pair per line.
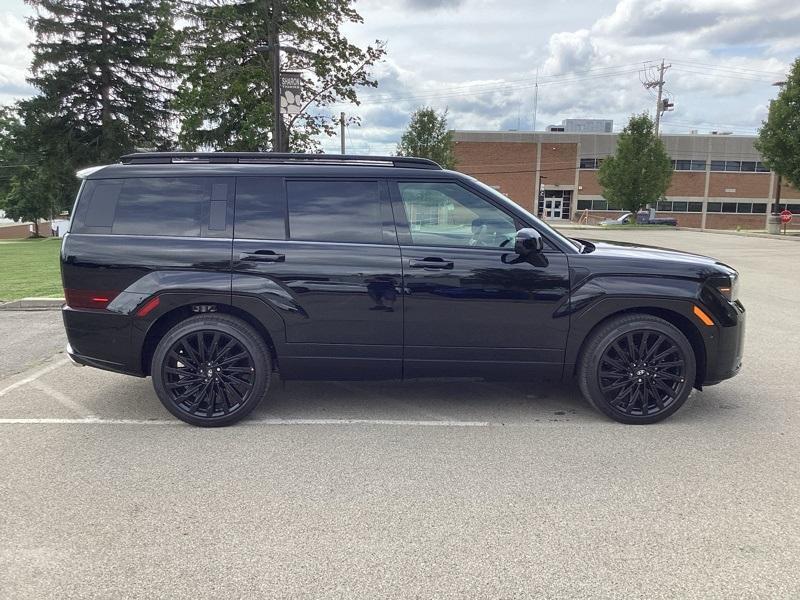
540, 225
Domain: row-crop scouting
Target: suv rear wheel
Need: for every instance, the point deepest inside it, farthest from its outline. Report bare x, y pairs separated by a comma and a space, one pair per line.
211, 370
637, 369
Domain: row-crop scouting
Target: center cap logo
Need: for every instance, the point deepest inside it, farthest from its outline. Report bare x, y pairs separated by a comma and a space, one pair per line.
641, 372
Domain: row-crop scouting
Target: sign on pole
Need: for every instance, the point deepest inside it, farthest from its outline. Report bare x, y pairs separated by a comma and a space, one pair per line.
291, 90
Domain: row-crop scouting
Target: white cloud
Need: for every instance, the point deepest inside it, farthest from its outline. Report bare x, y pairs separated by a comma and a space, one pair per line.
15, 57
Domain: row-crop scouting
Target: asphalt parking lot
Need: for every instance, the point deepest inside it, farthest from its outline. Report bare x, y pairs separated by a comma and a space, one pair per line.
423, 489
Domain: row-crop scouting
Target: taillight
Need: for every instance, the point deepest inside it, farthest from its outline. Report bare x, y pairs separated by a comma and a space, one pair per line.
89, 298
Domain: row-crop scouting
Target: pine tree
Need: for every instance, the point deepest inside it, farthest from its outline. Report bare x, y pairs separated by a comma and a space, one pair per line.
427, 137
105, 66
640, 170
225, 98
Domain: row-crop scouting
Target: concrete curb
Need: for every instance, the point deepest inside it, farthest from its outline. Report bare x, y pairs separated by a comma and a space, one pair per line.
755, 234
33, 304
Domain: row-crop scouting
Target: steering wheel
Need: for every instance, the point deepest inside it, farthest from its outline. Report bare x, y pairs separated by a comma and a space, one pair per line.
477, 238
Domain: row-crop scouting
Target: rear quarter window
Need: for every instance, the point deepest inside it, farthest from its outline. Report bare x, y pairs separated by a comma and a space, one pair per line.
160, 206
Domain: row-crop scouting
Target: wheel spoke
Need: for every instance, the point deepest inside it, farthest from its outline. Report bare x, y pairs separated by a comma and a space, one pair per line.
189, 351
666, 365
233, 379
655, 394
616, 363
232, 359
666, 389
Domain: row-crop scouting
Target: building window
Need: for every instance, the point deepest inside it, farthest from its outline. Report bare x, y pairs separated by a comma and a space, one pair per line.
717, 165
749, 166
761, 168
591, 163
794, 208
679, 206
599, 204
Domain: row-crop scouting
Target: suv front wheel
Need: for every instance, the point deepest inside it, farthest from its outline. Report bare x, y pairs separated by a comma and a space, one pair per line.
637, 369
211, 370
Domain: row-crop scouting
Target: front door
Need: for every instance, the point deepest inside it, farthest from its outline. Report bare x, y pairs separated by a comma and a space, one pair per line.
472, 307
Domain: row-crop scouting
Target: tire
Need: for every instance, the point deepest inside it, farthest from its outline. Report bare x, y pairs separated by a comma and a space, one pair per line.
637, 369
211, 370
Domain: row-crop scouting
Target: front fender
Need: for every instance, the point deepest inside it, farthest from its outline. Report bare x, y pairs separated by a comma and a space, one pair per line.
597, 298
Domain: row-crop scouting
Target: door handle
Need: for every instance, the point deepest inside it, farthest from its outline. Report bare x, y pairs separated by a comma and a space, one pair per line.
262, 256
430, 263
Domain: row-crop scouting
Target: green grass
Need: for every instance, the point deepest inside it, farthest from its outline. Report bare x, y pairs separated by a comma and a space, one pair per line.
30, 268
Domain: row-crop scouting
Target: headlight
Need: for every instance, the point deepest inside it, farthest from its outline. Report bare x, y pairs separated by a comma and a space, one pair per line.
730, 288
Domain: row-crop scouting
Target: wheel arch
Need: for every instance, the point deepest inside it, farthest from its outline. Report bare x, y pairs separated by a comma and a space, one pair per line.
175, 315
672, 315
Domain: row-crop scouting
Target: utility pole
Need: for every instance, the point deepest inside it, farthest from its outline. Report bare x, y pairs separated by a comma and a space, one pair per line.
535, 98
659, 84
341, 128
275, 55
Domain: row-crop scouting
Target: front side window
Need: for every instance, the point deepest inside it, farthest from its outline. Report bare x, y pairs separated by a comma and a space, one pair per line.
335, 211
446, 214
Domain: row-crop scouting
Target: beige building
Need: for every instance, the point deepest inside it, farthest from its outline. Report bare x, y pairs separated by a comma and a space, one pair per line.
719, 180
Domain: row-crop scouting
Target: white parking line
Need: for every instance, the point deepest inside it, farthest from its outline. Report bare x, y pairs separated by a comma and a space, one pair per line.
34, 376
271, 422
62, 399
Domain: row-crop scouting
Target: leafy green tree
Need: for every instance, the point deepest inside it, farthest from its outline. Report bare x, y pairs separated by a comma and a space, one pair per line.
106, 66
427, 137
30, 196
779, 137
640, 170
37, 180
225, 99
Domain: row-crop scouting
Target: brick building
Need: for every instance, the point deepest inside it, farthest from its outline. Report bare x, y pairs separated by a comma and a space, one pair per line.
719, 180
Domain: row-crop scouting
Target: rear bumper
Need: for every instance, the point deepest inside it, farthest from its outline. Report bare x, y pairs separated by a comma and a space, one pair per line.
726, 359
100, 339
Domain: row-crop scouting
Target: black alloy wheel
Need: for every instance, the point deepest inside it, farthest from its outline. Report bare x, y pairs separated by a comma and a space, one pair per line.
211, 370
638, 369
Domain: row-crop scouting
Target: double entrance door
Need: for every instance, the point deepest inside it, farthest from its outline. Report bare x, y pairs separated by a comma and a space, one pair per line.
554, 207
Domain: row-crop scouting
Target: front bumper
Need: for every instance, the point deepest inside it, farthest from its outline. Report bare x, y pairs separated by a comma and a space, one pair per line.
725, 359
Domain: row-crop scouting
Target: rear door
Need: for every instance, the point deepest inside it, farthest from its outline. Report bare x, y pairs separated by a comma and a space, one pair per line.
323, 254
472, 306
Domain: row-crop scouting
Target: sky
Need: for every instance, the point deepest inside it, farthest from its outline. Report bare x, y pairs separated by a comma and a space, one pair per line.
480, 60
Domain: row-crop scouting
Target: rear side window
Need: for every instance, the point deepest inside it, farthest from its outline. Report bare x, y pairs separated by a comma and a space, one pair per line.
334, 211
163, 206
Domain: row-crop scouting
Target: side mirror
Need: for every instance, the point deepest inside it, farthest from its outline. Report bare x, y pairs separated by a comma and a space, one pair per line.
528, 240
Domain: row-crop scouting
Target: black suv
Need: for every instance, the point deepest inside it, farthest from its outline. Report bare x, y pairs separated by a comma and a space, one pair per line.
212, 272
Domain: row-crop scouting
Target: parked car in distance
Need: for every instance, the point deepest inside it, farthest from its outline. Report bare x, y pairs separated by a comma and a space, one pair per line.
211, 273
642, 218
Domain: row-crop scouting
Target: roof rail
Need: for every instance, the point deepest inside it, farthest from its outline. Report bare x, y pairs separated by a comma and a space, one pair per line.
139, 158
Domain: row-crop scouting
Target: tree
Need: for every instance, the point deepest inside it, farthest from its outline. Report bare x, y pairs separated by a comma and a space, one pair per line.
640, 170
779, 137
106, 66
37, 146
427, 137
226, 96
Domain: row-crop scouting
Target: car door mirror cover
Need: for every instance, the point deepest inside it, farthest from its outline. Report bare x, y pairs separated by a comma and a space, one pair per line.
528, 240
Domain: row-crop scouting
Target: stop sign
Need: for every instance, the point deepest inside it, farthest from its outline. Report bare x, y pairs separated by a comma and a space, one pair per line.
786, 216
